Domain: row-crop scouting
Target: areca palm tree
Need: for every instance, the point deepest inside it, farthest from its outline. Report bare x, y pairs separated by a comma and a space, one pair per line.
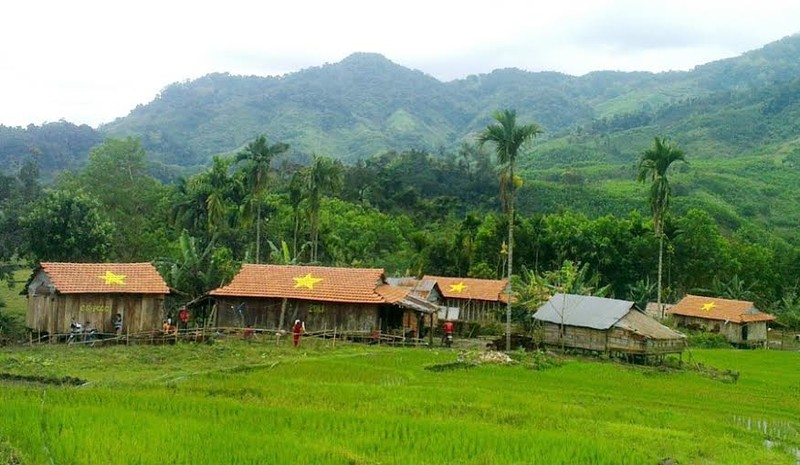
508, 137
258, 155
323, 175
203, 203
653, 165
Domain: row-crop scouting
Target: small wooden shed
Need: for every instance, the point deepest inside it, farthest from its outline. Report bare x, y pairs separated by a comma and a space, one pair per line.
604, 325
740, 321
471, 299
349, 299
60, 293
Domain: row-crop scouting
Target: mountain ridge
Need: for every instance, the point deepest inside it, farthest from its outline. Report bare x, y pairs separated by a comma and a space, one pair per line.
367, 104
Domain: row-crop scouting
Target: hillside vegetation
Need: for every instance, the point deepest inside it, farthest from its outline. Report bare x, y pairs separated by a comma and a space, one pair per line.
738, 120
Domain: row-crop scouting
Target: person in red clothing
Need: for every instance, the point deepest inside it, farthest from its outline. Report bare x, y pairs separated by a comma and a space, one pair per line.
298, 329
183, 316
248, 333
448, 333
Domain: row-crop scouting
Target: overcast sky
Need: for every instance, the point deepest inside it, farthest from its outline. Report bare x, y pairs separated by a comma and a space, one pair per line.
89, 61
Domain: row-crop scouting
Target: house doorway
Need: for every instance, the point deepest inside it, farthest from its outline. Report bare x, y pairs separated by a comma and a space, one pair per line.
391, 317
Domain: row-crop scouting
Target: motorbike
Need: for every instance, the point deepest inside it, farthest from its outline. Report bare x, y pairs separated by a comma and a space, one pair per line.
448, 339
75, 330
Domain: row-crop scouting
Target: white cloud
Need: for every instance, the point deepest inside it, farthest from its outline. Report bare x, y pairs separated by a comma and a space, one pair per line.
89, 61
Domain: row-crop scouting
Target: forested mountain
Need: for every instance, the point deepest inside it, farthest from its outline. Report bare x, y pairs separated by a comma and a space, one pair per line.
53, 147
738, 120
366, 105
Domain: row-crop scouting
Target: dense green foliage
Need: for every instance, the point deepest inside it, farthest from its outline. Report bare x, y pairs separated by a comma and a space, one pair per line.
52, 146
409, 213
235, 402
67, 227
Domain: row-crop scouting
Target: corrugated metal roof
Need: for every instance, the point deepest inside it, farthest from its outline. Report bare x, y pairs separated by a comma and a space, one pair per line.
413, 284
584, 311
645, 325
417, 303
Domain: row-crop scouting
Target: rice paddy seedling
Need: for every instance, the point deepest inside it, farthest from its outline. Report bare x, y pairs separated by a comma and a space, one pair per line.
252, 403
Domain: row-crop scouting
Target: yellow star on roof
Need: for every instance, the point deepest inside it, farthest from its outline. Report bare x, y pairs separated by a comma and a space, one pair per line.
458, 287
306, 281
707, 307
111, 278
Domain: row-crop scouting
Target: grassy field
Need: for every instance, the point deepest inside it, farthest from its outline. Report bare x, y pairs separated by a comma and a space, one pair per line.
15, 304
234, 402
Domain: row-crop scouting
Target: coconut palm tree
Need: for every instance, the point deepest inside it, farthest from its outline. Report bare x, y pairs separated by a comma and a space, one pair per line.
258, 156
653, 165
508, 137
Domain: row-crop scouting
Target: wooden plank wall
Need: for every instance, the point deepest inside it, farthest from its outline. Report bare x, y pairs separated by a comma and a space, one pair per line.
613, 340
756, 331
476, 310
265, 313
574, 337
55, 313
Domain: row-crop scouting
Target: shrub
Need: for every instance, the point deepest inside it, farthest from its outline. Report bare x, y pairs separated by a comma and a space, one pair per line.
705, 340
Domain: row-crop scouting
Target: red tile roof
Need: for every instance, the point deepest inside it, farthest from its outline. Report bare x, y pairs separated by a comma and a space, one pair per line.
351, 285
492, 290
711, 308
105, 278
391, 294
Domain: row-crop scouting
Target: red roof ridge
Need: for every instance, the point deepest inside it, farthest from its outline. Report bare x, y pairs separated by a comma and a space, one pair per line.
749, 302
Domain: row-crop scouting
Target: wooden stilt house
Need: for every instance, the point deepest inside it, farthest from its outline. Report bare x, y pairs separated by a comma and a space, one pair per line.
740, 321
348, 299
60, 293
604, 325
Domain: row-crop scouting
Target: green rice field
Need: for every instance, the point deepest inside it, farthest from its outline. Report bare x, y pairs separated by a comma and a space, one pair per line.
235, 402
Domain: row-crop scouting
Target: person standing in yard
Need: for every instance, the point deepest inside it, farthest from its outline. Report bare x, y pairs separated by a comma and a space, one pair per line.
298, 329
183, 317
248, 333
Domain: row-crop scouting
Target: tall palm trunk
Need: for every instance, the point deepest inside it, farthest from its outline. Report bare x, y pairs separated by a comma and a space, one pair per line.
258, 233
510, 255
314, 235
296, 231
660, 272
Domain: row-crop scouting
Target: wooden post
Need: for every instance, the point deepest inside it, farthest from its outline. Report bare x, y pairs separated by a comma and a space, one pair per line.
430, 335
283, 313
